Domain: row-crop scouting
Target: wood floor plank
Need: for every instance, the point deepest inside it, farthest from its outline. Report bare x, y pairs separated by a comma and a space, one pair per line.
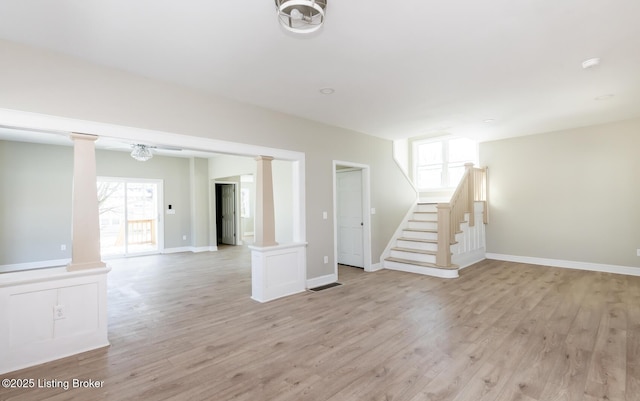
182, 326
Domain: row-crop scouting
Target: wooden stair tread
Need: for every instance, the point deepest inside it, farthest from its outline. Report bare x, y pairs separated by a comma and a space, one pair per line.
423, 264
429, 241
421, 251
420, 230
422, 221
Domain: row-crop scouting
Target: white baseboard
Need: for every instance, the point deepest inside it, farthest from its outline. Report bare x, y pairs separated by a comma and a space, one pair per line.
177, 250
322, 280
34, 265
568, 264
190, 249
375, 267
204, 249
469, 258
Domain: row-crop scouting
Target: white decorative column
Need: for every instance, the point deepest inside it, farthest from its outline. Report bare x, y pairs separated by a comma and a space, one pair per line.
276, 270
265, 234
85, 234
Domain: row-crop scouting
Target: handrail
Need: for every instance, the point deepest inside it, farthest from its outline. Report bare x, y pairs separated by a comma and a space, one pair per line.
472, 188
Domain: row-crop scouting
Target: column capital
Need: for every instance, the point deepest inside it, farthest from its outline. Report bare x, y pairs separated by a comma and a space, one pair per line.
86, 137
265, 158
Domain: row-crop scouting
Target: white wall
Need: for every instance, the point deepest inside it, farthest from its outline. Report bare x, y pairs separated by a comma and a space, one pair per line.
568, 195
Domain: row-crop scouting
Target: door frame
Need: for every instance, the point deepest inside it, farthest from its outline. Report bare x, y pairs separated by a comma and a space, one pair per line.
366, 212
236, 220
160, 201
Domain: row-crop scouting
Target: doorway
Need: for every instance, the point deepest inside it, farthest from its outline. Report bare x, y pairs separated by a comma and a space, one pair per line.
129, 216
350, 217
226, 214
352, 222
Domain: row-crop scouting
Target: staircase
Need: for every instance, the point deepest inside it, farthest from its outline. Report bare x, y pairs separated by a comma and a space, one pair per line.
432, 235
416, 248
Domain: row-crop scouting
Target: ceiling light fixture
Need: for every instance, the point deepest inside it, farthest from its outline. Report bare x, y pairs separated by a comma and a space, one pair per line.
301, 16
141, 153
327, 91
592, 62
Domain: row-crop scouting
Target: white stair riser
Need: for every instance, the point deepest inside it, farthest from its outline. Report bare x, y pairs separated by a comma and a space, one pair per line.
416, 257
426, 208
425, 216
422, 246
423, 225
419, 235
443, 273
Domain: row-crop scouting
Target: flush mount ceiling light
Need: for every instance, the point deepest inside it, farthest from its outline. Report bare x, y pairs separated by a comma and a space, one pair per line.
141, 153
301, 16
592, 62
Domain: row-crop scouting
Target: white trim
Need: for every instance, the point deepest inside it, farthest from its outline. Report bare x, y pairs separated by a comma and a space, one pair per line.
48, 275
567, 264
160, 206
198, 249
177, 250
237, 221
469, 258
426, 271
376, 266
322, 280
34, 265
193, 249
366, 212
63, 126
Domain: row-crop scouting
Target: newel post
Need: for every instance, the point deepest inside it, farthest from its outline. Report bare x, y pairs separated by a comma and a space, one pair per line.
443, 257
471, 192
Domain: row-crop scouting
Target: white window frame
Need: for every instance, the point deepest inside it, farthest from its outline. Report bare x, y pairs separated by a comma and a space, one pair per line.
444, 165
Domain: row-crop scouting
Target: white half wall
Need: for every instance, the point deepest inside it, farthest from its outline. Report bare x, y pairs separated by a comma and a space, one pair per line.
50, 314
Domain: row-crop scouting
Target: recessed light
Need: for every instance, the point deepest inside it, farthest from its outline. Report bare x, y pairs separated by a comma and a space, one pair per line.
327, 91
592, 62
604, 97
489, 120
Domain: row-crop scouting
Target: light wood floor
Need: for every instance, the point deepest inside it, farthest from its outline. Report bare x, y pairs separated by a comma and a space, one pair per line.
182, 327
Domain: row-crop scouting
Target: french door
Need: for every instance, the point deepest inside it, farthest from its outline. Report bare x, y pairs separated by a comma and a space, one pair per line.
129, 216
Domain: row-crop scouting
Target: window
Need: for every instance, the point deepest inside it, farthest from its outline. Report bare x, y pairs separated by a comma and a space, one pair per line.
440, 163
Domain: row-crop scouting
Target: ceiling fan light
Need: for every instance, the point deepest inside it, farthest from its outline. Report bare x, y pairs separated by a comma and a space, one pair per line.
141, 153
301, 16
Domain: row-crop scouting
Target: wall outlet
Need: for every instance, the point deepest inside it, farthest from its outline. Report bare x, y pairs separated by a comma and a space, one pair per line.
326, 259
324, 215
184, 237
638, 252
59, 312
63, 247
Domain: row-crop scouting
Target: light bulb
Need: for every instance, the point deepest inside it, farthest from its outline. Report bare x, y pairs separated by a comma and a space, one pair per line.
296, 14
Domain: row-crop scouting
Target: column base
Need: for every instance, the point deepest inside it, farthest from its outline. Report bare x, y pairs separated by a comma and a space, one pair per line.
86, 265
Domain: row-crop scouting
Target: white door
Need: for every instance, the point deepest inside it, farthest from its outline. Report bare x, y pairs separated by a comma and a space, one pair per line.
350, 219
228, 214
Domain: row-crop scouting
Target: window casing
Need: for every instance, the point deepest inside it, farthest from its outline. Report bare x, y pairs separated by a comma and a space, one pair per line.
439, 164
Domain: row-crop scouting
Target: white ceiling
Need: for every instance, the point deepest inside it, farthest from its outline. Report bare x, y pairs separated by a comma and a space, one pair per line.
399, 68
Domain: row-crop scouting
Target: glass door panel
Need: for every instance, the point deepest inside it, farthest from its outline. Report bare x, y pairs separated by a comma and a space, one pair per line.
128, 217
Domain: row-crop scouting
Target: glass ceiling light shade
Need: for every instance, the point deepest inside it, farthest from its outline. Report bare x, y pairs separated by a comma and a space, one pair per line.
301, 16
141, 153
